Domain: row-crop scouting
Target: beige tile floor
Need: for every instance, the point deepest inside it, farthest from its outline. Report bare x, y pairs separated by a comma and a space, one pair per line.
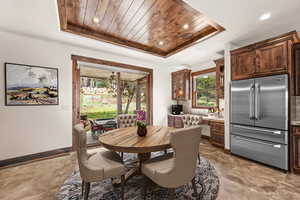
240, 179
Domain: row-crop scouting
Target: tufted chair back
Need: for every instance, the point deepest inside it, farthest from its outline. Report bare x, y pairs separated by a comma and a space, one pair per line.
126, 120
191, 120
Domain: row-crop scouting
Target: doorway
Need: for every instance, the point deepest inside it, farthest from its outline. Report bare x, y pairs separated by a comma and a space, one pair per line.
104, 89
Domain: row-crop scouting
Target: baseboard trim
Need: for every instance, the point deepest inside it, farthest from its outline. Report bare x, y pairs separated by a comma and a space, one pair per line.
227, 151
205, 137
34, 157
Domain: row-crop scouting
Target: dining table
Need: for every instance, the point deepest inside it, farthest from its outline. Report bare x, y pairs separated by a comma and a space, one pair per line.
126, 140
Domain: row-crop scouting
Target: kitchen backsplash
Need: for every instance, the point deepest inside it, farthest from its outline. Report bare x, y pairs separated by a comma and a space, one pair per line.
187, 107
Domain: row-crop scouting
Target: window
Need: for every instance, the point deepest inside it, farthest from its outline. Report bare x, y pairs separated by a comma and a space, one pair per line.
204, 89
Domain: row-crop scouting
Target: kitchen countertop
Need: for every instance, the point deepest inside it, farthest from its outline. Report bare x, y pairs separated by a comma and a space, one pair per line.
205, 118
295, 123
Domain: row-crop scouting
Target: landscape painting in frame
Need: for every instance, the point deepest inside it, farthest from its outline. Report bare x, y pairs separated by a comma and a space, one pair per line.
30, 85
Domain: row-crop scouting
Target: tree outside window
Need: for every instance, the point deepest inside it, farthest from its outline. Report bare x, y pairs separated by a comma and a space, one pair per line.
204, 89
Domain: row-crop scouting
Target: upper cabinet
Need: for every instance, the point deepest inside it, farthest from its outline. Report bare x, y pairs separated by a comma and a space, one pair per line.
181, 85
220, 78
272, 58
264, 58
242, 64
296, 61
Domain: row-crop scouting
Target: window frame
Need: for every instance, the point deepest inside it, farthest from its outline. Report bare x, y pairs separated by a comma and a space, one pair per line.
197, 73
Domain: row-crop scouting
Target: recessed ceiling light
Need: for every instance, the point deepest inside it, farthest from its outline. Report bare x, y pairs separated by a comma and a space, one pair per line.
265, 16
186, 26
161, 43
96, 20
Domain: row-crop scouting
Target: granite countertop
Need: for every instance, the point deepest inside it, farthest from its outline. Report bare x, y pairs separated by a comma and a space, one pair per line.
218, 119
295, 123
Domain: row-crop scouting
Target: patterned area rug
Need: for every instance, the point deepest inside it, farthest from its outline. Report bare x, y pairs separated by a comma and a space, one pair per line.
207, 183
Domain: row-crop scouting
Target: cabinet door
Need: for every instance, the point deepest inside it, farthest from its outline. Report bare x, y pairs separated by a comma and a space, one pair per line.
272, 58
170, 121
217, 134
296, 66
243, 65
296, 152
178, 123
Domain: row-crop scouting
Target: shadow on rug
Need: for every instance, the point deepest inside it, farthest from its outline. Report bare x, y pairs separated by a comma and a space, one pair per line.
207, 183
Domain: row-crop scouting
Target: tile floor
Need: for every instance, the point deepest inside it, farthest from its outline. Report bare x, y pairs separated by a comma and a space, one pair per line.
240, 179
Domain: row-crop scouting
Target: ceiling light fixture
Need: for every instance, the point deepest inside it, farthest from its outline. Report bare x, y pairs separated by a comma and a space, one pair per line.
265, 16
96, 20
186, 26
161, 43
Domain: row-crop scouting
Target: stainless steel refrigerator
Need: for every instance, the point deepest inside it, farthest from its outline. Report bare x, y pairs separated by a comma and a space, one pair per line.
259, 120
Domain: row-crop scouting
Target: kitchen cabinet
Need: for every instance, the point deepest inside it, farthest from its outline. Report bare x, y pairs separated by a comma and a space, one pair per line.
220, 78
272, 58
296, 148
175, 121
181, 85
243, 64
217, 133
296, 72
268, 57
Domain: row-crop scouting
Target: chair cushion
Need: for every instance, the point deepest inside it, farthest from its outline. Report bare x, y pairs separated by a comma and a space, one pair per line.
104, 164
161, 164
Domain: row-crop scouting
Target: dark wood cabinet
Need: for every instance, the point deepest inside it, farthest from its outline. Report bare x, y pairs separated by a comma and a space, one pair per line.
175, 121
296, 148
220, 69
296, 72
181, 85
264, 58
243, 64
217, 133
272, 58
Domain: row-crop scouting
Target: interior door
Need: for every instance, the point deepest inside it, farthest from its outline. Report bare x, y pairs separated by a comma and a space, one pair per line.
271, 99
242, 102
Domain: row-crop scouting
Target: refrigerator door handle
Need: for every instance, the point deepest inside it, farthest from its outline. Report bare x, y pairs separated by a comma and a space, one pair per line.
251, 101
257, 101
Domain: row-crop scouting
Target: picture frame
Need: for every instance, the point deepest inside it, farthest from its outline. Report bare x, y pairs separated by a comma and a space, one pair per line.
30, 85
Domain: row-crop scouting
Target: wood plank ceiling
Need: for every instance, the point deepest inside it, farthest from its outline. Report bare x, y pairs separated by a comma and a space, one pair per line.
160, 27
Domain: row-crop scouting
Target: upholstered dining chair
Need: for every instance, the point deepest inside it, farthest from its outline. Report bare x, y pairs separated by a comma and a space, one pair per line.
190, 121
97, 166
172, 171
126, 120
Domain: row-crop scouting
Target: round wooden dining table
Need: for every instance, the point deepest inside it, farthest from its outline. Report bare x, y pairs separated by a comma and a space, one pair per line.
126, 140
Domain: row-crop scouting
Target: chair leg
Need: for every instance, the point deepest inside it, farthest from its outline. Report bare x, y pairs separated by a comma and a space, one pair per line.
194, 186
82, 187
171, 194
122, 186
145, 188
199, 161
166, 151
87, 190
122, 155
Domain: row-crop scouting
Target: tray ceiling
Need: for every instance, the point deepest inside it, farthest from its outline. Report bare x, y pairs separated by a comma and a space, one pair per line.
160, 27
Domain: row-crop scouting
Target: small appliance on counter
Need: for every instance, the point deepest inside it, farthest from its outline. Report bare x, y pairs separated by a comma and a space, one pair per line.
177, 109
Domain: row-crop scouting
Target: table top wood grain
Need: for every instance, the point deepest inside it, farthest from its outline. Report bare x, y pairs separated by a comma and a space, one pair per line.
127, 140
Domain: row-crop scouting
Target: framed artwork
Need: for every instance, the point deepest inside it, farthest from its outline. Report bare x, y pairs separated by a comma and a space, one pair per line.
28, 85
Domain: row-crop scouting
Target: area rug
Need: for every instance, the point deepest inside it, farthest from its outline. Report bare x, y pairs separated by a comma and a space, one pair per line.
207, 183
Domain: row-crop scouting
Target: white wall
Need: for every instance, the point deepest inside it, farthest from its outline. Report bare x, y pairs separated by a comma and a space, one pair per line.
32, 129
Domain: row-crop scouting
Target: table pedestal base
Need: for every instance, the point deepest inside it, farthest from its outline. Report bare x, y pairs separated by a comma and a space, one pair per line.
135, 171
